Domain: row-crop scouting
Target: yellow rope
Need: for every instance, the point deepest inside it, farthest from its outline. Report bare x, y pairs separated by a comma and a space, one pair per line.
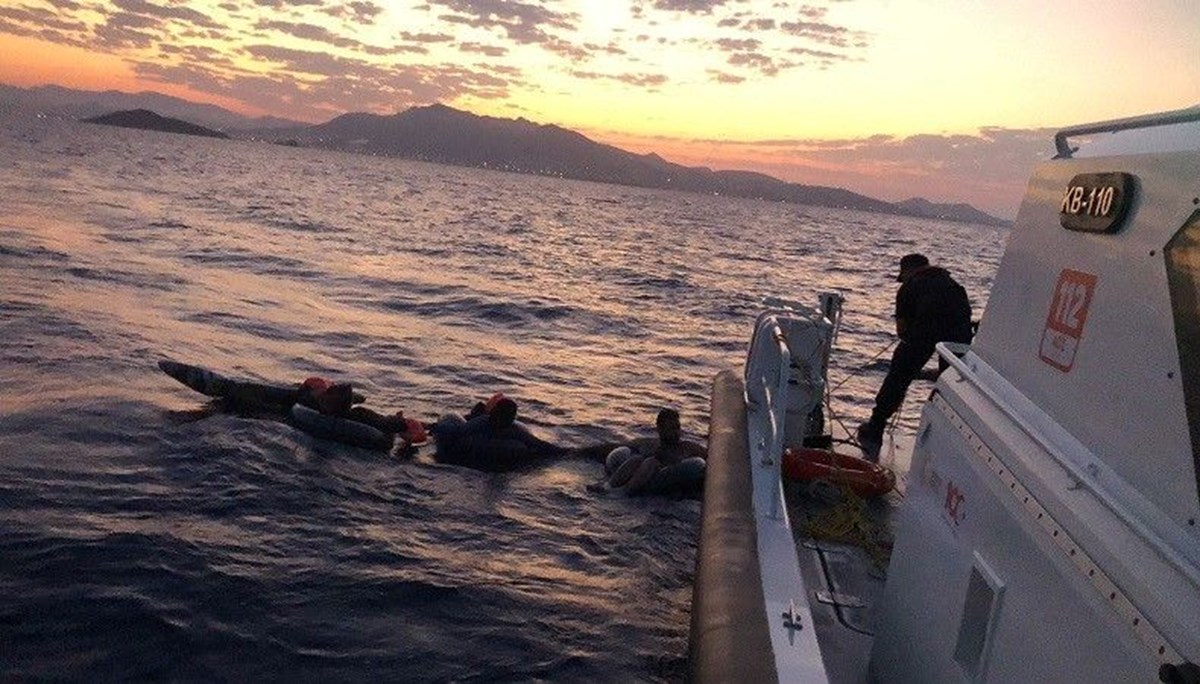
848, 522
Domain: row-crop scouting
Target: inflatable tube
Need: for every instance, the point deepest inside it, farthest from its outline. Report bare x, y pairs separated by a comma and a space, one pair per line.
213, 384
623, 467
731, 625
490, 454
338, 429
200, 379
474, 444
685, 478
618, 465
861, 477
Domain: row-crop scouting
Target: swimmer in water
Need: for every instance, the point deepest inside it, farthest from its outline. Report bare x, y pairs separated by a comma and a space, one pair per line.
329, 398
664, 464
491, 439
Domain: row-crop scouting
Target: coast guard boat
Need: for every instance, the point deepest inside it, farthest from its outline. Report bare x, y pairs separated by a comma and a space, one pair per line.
1047, 529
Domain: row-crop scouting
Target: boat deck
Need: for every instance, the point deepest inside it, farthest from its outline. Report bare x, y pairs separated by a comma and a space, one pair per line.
842, 546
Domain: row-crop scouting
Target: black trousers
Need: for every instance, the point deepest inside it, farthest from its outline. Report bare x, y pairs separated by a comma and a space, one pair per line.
908, 360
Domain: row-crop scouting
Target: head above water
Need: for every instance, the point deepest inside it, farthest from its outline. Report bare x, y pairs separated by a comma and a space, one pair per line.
503, 413
668, 426
909, 264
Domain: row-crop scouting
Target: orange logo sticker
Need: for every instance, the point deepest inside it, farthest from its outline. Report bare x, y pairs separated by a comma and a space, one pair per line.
1065, 320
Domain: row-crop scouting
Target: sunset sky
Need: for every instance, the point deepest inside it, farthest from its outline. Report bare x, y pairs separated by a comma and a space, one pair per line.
952, 100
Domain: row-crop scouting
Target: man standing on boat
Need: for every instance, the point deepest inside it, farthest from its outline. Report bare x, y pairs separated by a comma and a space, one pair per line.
931, 307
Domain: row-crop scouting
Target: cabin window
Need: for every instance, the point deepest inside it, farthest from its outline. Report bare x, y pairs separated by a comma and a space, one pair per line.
1182, 255
981, 610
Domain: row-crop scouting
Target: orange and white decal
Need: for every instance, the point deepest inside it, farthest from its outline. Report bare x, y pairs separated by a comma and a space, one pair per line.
1064, 322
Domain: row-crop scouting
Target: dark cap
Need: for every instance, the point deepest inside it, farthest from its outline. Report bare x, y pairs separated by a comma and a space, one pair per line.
911, 262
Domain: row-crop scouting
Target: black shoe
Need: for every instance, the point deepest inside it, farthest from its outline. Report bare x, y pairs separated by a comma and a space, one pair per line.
870, 441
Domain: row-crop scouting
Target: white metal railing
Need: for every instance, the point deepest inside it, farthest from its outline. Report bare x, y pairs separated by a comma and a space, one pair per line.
767, 365
773, 373
771, 379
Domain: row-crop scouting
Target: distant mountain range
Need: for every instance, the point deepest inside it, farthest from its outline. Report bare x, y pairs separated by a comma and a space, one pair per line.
65, 103
441, 134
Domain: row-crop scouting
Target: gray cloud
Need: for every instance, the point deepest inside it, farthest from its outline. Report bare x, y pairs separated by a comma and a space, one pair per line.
306, 61
524, 23
753, 45
819, 54
330, 82
486, 50
760, 62
364, 13
32, 19
694, 6
197, 54
67, 5
123, 30
311, 32
177, 13
738, 44
813, 13
285, 4
821, 32
189, 41
650, 81
426, 37
725, 77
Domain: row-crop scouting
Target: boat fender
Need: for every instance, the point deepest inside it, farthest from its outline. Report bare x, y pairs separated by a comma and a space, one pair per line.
624, 467
339, 429
616, 458
685, 478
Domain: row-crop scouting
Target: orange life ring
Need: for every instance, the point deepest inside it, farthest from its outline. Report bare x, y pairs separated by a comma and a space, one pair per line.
861, 477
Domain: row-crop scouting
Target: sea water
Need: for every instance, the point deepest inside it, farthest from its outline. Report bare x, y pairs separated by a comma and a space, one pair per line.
142, 539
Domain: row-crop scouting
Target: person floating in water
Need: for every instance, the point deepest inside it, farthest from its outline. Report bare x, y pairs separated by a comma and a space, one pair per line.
338, 399
666, 464
328, 399
931, 307
490, 438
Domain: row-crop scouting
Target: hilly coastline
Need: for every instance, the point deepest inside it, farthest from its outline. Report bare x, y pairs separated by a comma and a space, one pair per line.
441, 134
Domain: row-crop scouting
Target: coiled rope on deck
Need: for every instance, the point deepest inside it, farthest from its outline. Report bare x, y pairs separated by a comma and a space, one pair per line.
848, 522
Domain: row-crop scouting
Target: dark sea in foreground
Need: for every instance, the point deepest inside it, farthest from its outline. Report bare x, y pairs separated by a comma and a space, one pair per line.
138, 543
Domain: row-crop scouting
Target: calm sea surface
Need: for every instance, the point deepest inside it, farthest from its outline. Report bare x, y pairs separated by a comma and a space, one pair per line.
138, 543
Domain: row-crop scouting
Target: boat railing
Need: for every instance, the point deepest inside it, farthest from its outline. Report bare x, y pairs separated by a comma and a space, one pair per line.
767, 367
774, 373
1085, 475
1062, 139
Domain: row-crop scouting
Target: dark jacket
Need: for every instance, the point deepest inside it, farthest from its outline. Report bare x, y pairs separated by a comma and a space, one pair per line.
934, 308
478, 444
